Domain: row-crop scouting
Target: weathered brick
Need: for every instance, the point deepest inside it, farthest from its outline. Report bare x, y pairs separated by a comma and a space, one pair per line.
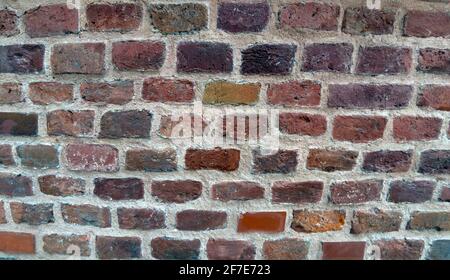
387, 161
330, 160
310, 15
198, 220
241, 191
223, 92
400, 249
117, 92
61, 186
22, 59
10, 93
2, 213
176, 18
416, 128
328, 58
359, 129
218, 159
112, 247
181, 126
168, 90
243, 17
45, 93
221, 249
297, 192
6, 156
64, 244
436, 97
8, 23
434, 61
51, 20
411, 191
426, 24
92, 157
268, 222
294, 93
302, 124
268, 59
15, 185
78, 58
164, 248
204, 57
140, 218
439, 221
317, 221
32, 214
18, 124
177, 191
38, 156
440, 250
445, 195
138, 55
17, 243
355, 191
384, 61
343, 250
151, 160
125, 124
121, 17
119, 188
285, 249
283, 161
70, 123
375, 220
435, 162
86, 215
364, 21
369, 96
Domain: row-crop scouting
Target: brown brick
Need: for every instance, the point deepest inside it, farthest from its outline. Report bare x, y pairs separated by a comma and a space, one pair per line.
359, 129
140, 218
92, 157
439, 221
2, 213
38, 156
317, 221
119, 188
70, 123
15, 185
151, 160
6, 156
328, 58
86, 215
198, 220
78, 58
65, 244
177, 191
221, 249
61, 186
285, 249
32, 214
343, 250
17, 243
294, 93
8, 23
384, 61
111, 247
268, 222
10, 93
364, 21
223, 92
118, 92
176, 18
138, 55
415, 128
283, 161
310, 15
45, 93
241, 191
400, 249
121, 17
387, 161
427, 24
297, 192
164, 248
411, 191
303, 124
218, 159
375, 220
355, 191
168, 90
125, 124
330, 160
51, 20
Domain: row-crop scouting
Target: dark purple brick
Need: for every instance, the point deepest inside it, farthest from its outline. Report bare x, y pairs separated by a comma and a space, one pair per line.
164, 248
243, 17
204, 57
268, 59
387, 161
435, 162
297, 192
384, 60
111, 247
411, 191
445, 195
119, 188
22, 59
283, 161
328, 58
15, 185
141, 218
17, 124
128, 124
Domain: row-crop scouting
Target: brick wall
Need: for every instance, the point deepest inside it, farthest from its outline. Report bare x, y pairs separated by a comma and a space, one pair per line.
89, 163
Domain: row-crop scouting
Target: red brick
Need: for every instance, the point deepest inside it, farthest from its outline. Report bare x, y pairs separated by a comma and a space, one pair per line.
283, 161
204, 57
331, 160
400, 249
221, 249
241, 191
387, 161
141, 219
45, 93
51, 20
119, 188
113, 17
168, 90
359, 129
243, 17
92, 157
86, 215
138, 55
268, 222
70, 123
218, 159
18, 124
355, 191
32, 214
426, 24
22, 59
363, 21
343, 250
8, 23
384, 61
327, 58
10, 93
118, 92
294, 93
317, 221
15, 185
303, 124
65, 244
111, 247
151, 160
310, 15
78, 58
411, 191
61, 186
434, 61
436, 97
285, 249
415, 128
297, 192
375, 220
177, 191
174, 249
198, 220
177, 18
6, 156
125, 124
17, 243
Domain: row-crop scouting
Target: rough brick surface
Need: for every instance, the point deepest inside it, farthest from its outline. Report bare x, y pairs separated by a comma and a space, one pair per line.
175, 18
116, 17
285, 249
243, 17
328, 58
10, 93
8, 23
310, 15
78, 58
22, 59
46, 93
294, 93
171, 249
268, 59
331, 160
117, 93
204, 57
51, 20
358, 129
383, 61
317, 221
363, 21
138, 55
221, 249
